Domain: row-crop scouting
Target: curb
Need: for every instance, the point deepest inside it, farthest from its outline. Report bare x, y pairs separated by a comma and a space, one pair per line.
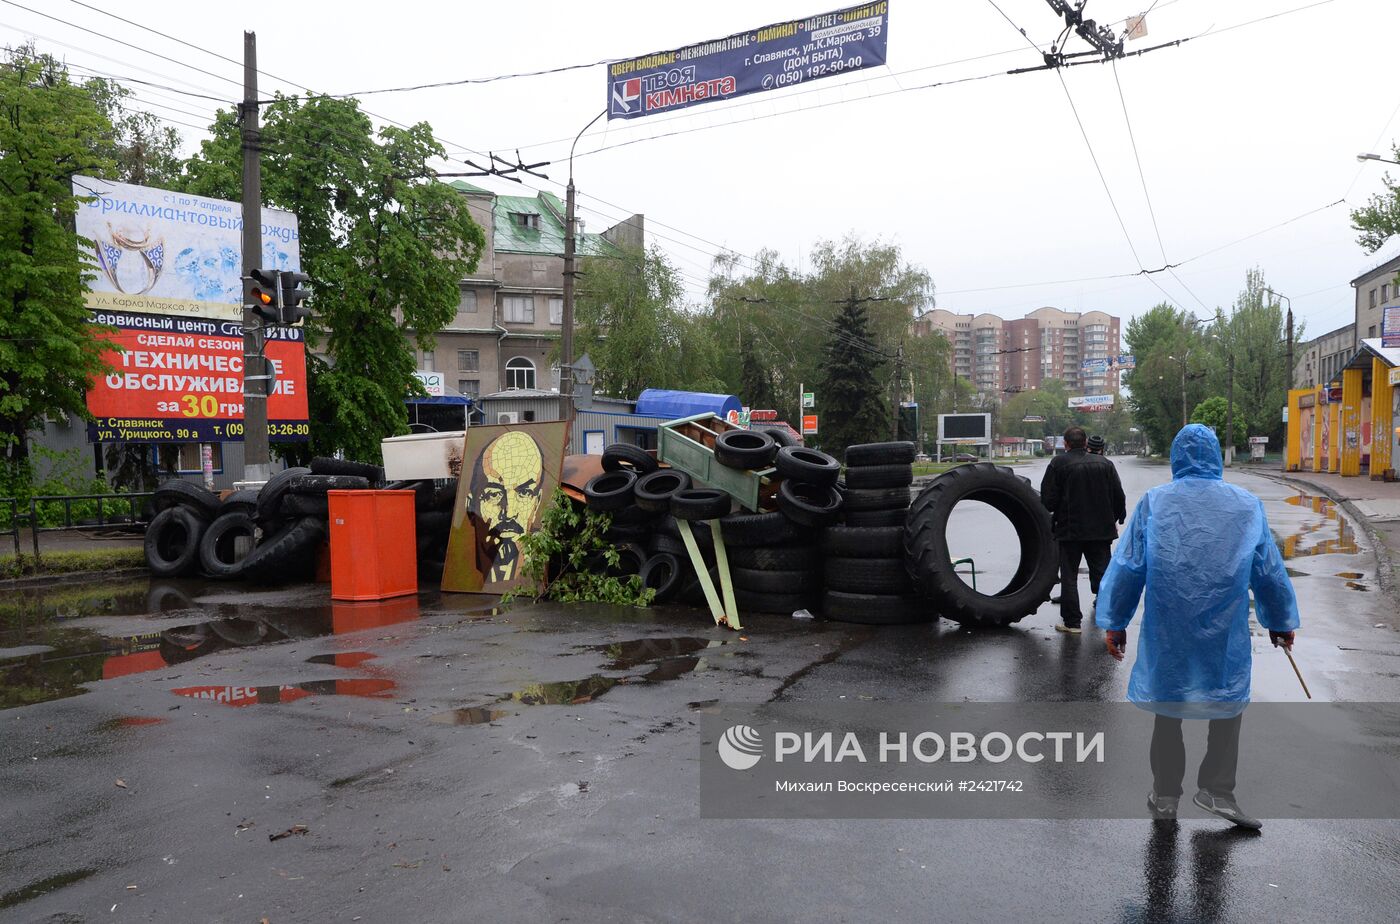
1387, 559
71, 577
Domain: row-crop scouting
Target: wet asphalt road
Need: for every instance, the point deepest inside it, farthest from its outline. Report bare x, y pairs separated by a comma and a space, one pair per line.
453, 763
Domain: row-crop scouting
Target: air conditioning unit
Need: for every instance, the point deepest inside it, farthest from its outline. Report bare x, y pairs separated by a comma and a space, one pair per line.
508, 417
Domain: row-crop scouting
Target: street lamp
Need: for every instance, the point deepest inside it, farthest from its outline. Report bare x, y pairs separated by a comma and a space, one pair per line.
1290, 310
1385, 160
1183, 360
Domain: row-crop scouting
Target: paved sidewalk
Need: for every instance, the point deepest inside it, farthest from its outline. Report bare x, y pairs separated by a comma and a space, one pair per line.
1373, 504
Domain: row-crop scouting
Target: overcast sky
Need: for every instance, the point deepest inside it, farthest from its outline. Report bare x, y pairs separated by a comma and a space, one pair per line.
987, 184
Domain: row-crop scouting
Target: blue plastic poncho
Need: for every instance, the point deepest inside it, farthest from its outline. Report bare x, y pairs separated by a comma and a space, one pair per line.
1198, 546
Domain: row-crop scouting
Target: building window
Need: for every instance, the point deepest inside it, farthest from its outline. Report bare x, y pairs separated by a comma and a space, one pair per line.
466, 309
520, 373
518, 309
526, 220
471, 388
1385, 292
556, 311
188, 458
1371, 331
527, 416
426, 361
468, 361
1373, 298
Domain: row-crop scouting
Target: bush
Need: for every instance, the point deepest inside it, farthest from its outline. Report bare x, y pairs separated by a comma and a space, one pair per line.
568, 535
66, 475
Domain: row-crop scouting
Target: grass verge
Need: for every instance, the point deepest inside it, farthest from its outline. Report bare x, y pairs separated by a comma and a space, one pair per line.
71, 561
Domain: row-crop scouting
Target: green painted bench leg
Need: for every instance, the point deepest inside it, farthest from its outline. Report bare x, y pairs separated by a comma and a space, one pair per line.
969, 562
702, 572
726, 583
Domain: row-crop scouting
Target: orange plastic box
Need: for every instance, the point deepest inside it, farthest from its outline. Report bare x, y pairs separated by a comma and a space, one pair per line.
374, 553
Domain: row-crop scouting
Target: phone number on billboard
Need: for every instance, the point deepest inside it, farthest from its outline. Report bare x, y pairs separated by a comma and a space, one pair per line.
177, 430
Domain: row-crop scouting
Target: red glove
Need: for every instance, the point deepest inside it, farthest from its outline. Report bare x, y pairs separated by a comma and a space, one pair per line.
1281, 638
1115, 640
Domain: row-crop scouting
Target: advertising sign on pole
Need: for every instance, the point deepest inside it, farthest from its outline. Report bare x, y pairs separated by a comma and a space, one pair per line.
1390, 327
1091, 402
809, 424
169, 278
779, 55
809, 399
1033, 418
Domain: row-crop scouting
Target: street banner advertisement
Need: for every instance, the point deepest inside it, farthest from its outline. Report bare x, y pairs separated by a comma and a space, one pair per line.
1390, 326
508, 477
1091, 402
181, 380
1024, 760
809, 424
1123, 362
779, 55
173, 253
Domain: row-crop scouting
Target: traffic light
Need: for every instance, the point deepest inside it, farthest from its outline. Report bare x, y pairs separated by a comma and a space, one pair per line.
292, 297
261, 291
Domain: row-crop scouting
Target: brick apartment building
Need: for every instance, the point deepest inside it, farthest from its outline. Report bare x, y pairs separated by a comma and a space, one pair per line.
1001, 355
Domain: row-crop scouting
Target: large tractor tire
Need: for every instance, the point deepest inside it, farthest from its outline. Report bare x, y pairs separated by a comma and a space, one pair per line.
930, 565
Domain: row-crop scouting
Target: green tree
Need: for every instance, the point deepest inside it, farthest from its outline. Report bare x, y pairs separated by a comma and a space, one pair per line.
1254, 334
1379, 219
632, 321
1213, 412
1167, 345
49, 353
384, 242
853, 403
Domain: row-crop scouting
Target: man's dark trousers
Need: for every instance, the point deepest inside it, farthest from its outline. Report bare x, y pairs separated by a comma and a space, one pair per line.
1097, 554
1217, 773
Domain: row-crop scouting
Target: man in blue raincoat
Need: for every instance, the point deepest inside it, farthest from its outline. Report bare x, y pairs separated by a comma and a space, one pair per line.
1197, 546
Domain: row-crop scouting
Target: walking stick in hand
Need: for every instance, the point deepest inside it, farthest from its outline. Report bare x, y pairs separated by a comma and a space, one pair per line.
1284, 640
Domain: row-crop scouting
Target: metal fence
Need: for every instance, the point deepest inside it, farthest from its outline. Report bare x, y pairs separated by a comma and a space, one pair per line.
109, 514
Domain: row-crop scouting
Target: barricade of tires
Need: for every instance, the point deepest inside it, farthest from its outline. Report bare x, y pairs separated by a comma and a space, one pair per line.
273, 535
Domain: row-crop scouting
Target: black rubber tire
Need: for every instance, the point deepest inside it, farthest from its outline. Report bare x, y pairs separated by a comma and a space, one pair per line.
318, 485
610, 491
774, 582
664, 574
443, 496
861, 499
868, 576
927, 553
630, 558
654, 489
755, 601
616, 534
172, 541
179, 493
880, 518
809, 465
863, 542
875, 609
289, 554
756, 530
879, 476
691, 591
626, 457
306, 505
271, 494
901, 453
700, 504
660, 542
809, 505
216, 546
670, 527
433, 522
777, 558
423, 492
745, 449
634, 516
244, 500
781, 435
325, 465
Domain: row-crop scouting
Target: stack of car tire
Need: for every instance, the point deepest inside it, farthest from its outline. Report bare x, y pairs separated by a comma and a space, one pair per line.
866, 578
273, 535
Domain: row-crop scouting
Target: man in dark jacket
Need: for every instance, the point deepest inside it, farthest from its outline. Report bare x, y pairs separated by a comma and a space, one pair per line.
1085, 498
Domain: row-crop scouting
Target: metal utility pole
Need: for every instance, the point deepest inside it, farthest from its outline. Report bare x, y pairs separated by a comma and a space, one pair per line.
1230, 408
1290, 333
256, 457
566, 333
894, 391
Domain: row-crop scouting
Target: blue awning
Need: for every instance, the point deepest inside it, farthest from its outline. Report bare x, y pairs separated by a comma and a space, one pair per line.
670, 405
440, 399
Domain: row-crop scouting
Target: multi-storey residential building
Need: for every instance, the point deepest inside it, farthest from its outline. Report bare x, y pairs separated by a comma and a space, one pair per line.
1376, 289
511, 308
1322, 359
1000, 355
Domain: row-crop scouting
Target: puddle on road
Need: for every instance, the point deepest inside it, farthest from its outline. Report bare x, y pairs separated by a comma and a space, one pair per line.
673, 658
1295, 573
47, 652
285, 693
1351, 575
1344, 543
1352, 585
43, 886
342, 658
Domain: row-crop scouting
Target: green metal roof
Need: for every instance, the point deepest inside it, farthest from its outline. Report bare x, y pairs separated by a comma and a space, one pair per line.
548, 238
